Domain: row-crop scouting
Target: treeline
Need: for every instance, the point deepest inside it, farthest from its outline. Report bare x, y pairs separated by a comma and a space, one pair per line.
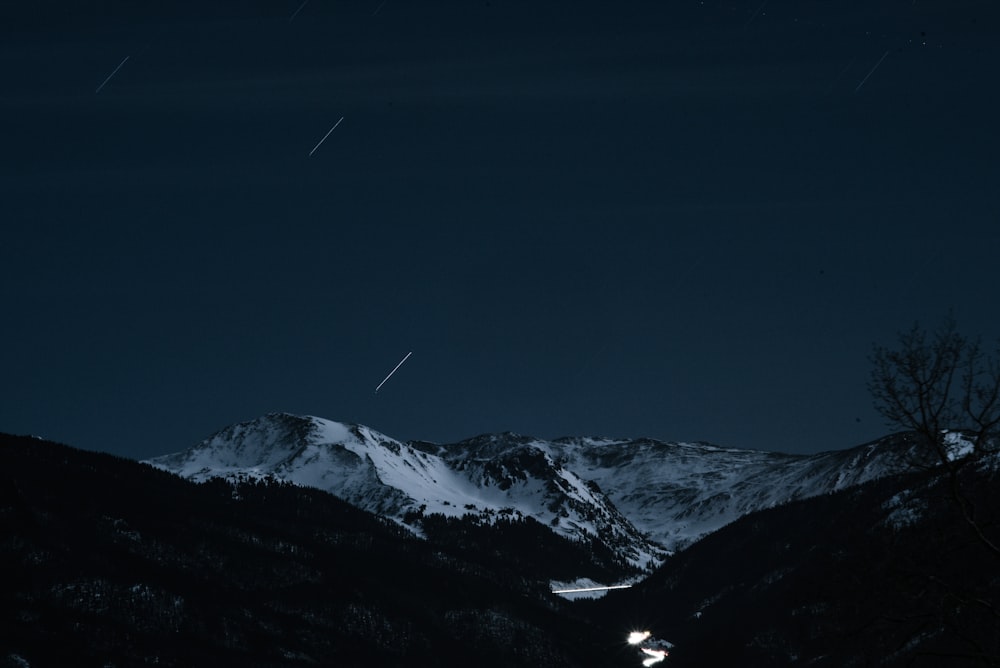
525, 546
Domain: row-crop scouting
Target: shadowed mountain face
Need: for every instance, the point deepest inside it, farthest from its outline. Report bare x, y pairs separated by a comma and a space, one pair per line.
641, 499
112, 562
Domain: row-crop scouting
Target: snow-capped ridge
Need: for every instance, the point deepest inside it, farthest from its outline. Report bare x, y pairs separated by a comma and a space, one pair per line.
642, 497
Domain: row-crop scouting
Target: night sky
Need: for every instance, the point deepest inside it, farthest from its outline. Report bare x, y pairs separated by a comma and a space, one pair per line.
677, 219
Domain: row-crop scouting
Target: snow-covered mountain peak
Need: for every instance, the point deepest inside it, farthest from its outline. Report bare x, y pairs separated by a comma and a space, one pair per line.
488, 476
259, 446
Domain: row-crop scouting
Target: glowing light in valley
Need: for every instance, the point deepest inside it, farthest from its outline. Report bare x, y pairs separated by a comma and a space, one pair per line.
637, 637
652, 648
580, 589
655, 656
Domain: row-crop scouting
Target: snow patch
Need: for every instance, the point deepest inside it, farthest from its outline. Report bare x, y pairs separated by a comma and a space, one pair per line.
904, 510
957, 445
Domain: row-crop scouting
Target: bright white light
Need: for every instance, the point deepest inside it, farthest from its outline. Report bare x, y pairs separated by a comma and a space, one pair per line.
581, 589
655, 656
637, 637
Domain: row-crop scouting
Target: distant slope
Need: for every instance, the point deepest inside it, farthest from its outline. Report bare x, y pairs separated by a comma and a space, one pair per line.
110, 562
679, 492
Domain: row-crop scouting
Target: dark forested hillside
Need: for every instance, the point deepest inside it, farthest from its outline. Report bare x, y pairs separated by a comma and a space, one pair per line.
110, 562
892, 573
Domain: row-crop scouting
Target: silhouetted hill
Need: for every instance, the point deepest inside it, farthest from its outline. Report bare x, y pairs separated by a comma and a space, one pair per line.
112, 562
886, 574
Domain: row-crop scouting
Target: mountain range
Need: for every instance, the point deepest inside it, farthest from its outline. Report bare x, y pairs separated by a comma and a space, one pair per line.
641, 498
109, 561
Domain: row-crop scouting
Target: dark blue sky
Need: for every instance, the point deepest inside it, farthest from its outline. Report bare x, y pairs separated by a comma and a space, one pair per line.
682, 219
